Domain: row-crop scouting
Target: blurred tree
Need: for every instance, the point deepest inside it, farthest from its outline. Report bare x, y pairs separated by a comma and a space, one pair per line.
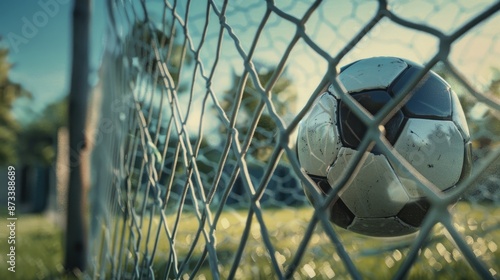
283, 96
141, 54
38, 138
484, 124
138, 59
9, 126
488, 127
32, 143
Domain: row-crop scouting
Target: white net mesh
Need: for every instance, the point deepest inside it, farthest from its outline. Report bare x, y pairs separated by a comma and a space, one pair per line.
194, 169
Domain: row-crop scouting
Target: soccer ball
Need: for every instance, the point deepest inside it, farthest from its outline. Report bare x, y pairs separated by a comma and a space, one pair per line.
429, 131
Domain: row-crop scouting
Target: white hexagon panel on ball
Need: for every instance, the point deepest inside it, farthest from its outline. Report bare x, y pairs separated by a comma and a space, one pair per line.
435, 149
318, 145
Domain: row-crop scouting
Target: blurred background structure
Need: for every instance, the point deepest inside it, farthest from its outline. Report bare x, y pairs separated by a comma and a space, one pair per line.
192, 122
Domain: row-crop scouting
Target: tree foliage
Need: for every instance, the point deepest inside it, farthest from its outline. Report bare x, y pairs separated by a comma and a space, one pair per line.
37, 142
142, 41
34, 142
490, 122
484, 124
283, 96
9, 126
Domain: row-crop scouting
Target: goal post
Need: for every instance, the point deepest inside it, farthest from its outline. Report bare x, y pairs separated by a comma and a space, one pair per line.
194, 165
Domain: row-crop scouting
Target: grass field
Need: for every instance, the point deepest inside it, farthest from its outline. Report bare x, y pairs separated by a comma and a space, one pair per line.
39, 247
39, 253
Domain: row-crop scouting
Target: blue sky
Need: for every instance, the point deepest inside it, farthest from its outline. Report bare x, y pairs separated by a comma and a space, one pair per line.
38, 34
39, 39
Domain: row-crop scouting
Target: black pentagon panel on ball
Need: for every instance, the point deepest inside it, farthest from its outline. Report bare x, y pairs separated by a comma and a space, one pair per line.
430, 98
353, 129
322, 183
413, 213
340, 213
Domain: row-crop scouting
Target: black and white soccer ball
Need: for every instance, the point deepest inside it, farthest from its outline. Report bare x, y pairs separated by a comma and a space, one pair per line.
429, 131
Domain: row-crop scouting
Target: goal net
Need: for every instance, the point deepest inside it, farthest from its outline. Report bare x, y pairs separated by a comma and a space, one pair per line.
194, 169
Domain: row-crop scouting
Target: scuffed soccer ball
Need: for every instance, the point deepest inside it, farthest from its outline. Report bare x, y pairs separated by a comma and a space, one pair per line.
429, 131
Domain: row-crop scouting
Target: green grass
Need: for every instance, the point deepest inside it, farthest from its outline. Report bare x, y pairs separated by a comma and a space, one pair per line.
39, 246
376, 258
39, 252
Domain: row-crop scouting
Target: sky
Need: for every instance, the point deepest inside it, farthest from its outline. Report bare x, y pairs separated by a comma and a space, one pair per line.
40, 64
38, 35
